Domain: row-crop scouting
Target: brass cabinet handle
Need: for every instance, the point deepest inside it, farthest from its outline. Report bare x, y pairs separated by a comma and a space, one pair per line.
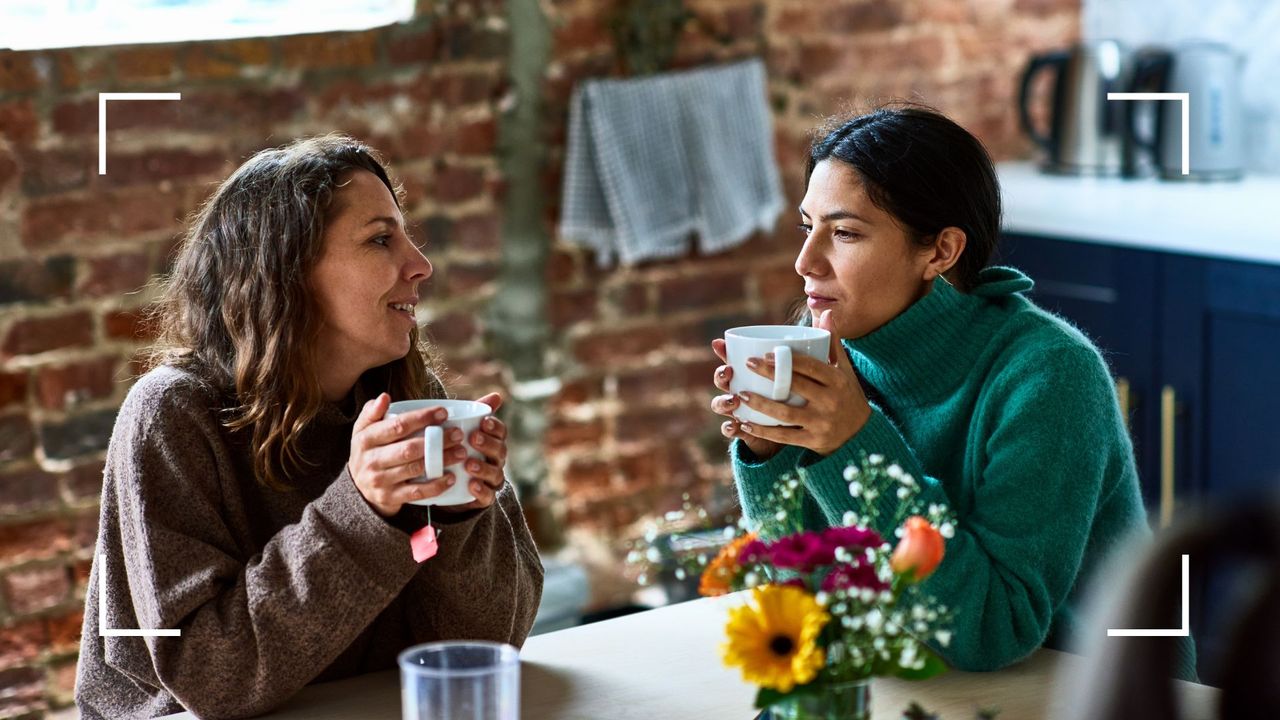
1168, 445
1123, 392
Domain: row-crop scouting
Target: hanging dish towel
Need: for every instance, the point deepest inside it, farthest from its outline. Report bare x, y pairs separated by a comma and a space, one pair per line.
653, 161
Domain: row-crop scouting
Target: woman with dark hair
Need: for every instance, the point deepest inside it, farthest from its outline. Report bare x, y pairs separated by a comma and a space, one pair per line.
1002, 411
256, 494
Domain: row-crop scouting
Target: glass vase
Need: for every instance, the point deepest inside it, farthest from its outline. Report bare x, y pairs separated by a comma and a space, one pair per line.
837, 701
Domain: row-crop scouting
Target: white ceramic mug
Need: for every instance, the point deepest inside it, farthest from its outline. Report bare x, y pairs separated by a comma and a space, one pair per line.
463, 414
781, 340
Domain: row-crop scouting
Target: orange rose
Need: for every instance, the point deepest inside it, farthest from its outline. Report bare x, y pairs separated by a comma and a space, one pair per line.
718, 577
919, 551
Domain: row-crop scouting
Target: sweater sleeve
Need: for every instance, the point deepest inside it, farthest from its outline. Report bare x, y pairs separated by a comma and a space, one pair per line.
485, 582
1052, 436
756, 477
253, 630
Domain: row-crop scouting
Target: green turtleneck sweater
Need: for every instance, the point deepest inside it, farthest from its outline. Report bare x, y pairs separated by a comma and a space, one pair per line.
1007, 415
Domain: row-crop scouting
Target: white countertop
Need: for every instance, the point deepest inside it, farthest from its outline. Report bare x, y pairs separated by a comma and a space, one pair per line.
1235, 220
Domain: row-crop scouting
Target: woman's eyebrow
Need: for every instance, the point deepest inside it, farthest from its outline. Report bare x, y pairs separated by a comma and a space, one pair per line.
384, 219
838, 215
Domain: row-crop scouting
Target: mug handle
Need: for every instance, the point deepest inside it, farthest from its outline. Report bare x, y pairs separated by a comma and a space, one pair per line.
433, 451
781, 373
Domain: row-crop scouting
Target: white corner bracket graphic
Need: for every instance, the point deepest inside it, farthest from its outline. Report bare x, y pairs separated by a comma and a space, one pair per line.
102, 611
1186, 117
102, 118
1183, 631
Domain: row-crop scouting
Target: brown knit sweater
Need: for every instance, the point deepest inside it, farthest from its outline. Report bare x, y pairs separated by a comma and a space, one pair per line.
271, 589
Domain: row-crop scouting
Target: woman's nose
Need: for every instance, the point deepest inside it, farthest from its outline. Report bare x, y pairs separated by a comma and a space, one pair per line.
809, 262
418, 267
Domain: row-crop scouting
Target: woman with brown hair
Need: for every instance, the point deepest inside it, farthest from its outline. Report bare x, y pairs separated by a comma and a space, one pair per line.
257, 495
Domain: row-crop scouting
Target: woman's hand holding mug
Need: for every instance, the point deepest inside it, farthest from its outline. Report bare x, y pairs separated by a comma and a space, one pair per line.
387, 453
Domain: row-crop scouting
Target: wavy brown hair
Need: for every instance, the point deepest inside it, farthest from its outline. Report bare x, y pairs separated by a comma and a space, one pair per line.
237, 310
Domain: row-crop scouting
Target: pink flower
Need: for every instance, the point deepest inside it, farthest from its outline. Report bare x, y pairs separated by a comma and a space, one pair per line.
851, 538
858, 575
802, 551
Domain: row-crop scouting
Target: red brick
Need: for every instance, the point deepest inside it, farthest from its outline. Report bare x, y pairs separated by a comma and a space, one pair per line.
577, 392
17, 73
18, 121
422, 141
115, 274
476, 138
55, 171
567, 307
648, 383
420, 46
587, 477
46, 223
466, 278
454, 88
697, 291
9, 169
29, 336
645, 468
84, 482
477, 233
223, 59
34, 589
82, 67
779, 287
620, 346
34, 541
22, 642
13, 388
455, 184
356, 94
64, 630
23, 696
329, 50
675, 423
68, 385
745, 21
145, 63
583, 32
562, 433
453, 330
30, 280
24, 490
246, 108
84, 532
154, 166
562, 267
128, 325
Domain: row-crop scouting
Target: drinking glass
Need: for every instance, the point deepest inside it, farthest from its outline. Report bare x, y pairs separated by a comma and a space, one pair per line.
470, 680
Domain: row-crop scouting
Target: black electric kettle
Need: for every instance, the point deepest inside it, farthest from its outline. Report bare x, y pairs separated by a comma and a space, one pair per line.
1086, 132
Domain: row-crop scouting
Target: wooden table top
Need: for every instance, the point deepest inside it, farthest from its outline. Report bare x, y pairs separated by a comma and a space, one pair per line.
665, 664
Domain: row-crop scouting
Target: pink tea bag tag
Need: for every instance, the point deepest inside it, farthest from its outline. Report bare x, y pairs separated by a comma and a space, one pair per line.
423, 543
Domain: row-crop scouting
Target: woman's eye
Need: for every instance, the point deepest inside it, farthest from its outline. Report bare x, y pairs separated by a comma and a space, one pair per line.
845, 234
383, 240
804, 228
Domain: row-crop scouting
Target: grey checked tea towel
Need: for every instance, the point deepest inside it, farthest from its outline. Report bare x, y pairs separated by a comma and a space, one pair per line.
654, 161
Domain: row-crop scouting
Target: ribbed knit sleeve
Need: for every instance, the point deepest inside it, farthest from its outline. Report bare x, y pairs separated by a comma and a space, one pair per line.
757, 477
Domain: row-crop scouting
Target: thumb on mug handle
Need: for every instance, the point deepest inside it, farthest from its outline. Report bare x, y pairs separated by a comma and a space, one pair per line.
433, 451
781, 373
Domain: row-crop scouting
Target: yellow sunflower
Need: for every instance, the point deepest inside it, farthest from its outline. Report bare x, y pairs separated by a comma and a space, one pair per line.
774, 640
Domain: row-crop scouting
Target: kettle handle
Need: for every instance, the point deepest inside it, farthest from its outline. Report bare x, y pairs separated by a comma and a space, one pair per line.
1056, 59
1150, 74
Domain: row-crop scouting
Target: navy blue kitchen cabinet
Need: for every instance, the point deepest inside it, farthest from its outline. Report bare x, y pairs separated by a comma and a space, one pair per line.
1194, 344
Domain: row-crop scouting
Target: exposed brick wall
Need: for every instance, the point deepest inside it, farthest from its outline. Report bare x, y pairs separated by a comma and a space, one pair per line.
630, 431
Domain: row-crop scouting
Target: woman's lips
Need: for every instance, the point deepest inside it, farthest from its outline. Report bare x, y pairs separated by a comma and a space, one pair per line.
818, 301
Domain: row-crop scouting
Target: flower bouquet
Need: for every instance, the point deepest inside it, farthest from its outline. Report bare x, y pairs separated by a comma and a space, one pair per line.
830, 609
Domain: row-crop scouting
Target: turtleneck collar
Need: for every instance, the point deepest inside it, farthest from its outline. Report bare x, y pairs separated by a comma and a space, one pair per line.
926, 352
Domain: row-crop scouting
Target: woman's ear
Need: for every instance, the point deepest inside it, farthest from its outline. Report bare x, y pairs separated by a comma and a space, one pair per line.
944, 253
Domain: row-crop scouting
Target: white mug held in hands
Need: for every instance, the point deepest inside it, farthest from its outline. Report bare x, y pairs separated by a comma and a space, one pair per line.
781, 340
463, 414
